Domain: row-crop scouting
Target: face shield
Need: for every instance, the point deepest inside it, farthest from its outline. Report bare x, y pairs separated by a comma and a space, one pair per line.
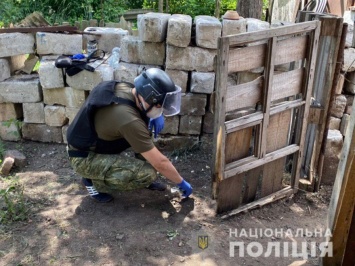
172, 102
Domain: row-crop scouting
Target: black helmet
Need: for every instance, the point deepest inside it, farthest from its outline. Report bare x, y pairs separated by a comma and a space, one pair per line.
153, 84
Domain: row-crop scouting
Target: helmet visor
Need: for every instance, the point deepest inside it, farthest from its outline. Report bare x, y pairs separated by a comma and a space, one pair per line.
172, 102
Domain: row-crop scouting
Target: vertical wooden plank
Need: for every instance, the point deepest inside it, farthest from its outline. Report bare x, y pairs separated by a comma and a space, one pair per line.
349, 256
301, 126
229, 193
219, 128
238, 145
251, 184
277, 138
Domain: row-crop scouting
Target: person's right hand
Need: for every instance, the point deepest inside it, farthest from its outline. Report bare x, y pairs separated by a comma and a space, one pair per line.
185, 188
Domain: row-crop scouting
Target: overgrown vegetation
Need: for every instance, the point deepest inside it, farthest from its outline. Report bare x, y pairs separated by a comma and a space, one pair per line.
13, 205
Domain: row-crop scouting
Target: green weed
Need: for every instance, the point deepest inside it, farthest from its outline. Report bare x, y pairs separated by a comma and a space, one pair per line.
13, 206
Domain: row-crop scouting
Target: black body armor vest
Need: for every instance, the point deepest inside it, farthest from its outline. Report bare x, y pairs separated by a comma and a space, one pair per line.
81, 133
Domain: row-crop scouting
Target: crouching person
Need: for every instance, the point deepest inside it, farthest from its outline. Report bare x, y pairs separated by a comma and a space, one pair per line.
119, 115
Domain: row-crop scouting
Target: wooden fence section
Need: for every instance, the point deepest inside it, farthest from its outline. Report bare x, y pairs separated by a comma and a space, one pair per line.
253, 152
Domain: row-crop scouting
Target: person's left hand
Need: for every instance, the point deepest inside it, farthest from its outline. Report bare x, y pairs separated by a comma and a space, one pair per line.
157, 125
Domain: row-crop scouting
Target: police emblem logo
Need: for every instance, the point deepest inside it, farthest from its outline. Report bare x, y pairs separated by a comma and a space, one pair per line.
202, 242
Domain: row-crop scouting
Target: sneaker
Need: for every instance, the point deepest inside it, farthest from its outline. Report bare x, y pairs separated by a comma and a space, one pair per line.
94, 194
157, 186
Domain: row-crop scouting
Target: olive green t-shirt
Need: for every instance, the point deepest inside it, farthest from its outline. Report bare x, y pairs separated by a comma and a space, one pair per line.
123, 121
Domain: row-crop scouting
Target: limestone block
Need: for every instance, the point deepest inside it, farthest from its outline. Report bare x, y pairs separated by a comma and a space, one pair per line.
333, 148
334, 123
54, 116
17, 62
171, 125
349, 58
345, 120
19, 158
173, 143
71, 112
21, 89
64, 134
340, 84
42, 133
86, 80
152, 27
4, 69
50, 76
349, 86
6, 166
193, 104
338, 107
134, 50
190, 58
179, 30
202, 82
233, 26
66, 96
208, 123
16, 44
254, 24
190, 124
107, 38
179, 77
126, 72
208, 30
10, 131
33, 113
10, 111
56, 43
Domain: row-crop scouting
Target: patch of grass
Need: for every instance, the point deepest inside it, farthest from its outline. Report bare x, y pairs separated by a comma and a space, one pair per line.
13, 206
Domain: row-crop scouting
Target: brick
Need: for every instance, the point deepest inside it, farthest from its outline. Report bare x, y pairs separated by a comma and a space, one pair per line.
208, 30
33, 113
126, 72
254, 24
21, 89
16, 44
17, 62
66, 96
42, 133
179, 77
49, 75
71, 112
334, 123
54, 116
179, 30
190, 125
10, 111
171, 125
231, 26
10, 131
338, 107
86, 80
4, 69
6, 166
190, 58
193, 104
107, 38
333, 149
152, 27
134, 50
56, 43
19, 158
202, 82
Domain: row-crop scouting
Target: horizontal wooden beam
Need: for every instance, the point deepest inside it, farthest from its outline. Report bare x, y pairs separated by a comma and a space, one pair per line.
285, 192
40, 29
235, 168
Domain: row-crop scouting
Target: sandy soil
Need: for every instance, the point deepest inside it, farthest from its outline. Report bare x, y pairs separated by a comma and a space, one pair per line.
65, 227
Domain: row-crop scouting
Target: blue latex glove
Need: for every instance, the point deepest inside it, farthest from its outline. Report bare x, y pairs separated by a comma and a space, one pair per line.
78, 56
185, 188
157, 125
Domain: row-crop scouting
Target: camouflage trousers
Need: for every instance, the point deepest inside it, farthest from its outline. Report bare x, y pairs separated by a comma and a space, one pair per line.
111, 172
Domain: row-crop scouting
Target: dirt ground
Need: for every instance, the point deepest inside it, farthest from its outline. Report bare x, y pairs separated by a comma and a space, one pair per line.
65, 227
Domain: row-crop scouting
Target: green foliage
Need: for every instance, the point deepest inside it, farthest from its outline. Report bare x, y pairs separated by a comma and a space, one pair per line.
13, 204
2, 151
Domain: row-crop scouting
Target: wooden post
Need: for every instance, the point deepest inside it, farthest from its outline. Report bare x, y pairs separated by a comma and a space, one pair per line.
342, 202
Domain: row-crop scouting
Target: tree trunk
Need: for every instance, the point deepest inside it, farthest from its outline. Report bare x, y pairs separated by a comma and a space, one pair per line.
250, 8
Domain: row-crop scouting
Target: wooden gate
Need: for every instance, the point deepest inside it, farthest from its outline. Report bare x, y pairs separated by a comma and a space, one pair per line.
255, 159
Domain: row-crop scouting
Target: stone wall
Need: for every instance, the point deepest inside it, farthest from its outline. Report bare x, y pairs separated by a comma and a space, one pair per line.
183, 47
